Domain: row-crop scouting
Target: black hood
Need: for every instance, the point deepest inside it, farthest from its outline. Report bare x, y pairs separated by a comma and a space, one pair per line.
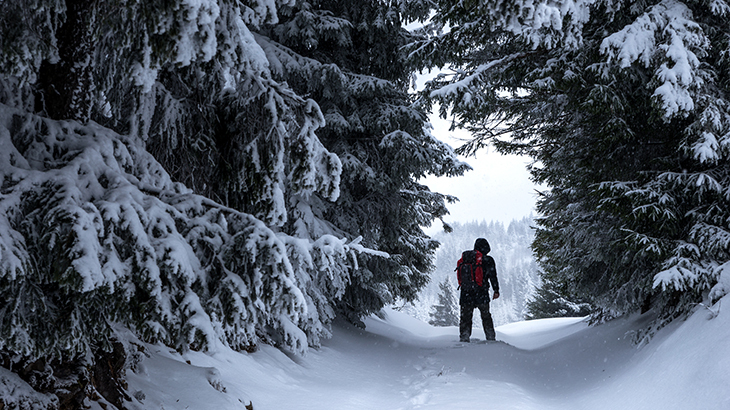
482, 246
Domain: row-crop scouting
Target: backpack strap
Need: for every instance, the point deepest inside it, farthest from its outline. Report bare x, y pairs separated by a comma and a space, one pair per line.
458, 277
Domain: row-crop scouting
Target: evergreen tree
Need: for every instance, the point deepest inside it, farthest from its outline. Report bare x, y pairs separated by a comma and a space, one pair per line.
445, 312
160, 175
207, 242
347, 56
550, 302
623, 106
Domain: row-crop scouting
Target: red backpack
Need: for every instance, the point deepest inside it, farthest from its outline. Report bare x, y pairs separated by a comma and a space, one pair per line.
469, 270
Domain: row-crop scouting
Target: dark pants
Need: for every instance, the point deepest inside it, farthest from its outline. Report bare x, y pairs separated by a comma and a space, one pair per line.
467, 313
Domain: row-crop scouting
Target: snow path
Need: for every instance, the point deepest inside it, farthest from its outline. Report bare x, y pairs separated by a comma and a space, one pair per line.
400, 363
430, 369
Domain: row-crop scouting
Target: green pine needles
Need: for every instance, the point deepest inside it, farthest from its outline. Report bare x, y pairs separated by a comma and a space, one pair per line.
623, 108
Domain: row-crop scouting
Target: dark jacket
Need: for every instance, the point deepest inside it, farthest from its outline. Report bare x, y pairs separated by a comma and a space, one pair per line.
480, 295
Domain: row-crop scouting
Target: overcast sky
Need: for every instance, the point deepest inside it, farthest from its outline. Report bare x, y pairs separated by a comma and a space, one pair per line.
497, 189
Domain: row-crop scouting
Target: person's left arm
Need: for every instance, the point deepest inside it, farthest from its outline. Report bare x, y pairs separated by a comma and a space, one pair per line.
491, 273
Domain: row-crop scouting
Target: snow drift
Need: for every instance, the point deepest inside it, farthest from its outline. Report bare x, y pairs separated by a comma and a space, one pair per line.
399, 362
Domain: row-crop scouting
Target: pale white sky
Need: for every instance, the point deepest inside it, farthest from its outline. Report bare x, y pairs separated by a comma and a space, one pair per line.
497, 189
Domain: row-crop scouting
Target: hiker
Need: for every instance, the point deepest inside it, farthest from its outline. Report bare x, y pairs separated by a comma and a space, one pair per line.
476, 270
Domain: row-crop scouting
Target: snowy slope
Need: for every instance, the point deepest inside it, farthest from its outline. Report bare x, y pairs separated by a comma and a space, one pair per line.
399, 362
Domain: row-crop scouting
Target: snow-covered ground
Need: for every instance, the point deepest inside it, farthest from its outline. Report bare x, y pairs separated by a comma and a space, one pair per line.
399, 362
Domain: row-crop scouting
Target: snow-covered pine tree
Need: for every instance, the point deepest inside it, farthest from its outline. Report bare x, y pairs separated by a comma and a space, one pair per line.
551, 302
445, 311
623, 105
347, 56
96, 233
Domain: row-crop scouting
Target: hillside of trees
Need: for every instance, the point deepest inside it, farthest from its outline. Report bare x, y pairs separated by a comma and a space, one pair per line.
517, 269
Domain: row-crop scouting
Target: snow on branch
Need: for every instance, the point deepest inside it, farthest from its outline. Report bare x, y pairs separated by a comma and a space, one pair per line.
719, 8
713, 131
465, 81
699, 263
722, 287
21, 395
666, 39
682, 271
197, 34
93, 232
543, 22
316, 169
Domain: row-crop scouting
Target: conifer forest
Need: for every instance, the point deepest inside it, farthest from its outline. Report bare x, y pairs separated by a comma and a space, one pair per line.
205, 173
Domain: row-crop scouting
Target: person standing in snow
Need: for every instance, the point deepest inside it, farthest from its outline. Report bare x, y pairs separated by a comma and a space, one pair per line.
476, 270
